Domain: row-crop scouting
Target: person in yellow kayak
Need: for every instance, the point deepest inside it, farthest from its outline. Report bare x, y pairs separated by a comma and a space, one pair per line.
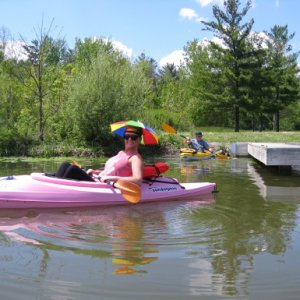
198, 143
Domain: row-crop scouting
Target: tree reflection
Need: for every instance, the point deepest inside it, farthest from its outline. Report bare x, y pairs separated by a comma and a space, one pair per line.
237, 231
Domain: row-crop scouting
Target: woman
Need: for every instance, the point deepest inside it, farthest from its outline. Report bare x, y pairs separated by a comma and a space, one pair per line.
126, 165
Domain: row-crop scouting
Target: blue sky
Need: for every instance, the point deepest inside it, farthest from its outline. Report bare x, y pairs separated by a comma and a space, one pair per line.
159, 28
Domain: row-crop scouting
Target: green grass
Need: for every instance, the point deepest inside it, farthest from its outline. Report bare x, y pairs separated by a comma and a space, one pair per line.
226, 135
250, 136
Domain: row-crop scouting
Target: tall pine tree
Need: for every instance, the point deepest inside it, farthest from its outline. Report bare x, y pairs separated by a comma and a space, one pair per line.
234, 35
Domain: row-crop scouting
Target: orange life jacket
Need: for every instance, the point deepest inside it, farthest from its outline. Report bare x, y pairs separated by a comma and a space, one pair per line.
155, 170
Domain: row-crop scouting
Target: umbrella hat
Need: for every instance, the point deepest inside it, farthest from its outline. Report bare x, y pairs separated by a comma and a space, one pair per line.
149, 136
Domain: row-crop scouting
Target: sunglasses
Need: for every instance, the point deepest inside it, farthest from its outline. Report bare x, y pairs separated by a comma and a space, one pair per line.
133, 137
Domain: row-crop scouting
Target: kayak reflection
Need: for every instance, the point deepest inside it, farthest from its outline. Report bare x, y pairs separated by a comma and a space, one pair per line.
129, 237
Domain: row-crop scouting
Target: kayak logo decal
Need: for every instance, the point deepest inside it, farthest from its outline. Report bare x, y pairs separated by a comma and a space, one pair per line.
163, 189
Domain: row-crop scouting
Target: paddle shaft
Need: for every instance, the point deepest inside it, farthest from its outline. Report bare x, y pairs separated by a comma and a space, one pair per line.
129, 190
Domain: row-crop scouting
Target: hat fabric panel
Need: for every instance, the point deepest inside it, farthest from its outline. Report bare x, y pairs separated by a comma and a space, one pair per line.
132, 129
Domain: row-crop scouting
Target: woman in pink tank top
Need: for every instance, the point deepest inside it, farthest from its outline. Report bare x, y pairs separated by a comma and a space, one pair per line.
127, 164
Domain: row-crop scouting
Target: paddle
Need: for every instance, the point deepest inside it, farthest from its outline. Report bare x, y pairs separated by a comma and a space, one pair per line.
75, 163
129, 190
166, 127
170, 129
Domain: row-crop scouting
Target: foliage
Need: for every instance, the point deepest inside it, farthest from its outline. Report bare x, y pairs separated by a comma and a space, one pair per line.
108, 92
13, 144
206, 86
283, 71
61, 101
64, 150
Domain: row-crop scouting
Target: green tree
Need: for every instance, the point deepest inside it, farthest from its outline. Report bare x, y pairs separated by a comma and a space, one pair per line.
41, 71
173, 95
283, 69
111, 90
11, 100
229, 29
168, 72
206, 79
87, 50
148, 66
257, 85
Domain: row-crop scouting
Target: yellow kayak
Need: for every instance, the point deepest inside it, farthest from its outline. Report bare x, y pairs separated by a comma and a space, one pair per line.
191, 154
222, 155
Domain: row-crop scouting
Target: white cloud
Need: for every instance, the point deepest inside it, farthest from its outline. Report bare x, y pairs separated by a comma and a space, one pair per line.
216, 40
122, 48
207, 2
176, 57
126, 51
190, 14
204, 2
262, 36
14, 50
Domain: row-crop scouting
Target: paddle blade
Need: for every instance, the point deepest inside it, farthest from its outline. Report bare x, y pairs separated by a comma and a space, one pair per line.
75, 163
129, 190
166, 127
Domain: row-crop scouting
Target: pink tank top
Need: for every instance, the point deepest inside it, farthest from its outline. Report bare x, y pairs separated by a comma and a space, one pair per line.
118, 165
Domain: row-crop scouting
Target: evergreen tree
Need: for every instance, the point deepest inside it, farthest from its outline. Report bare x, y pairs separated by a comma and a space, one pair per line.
283, 71
233, 34
206, 85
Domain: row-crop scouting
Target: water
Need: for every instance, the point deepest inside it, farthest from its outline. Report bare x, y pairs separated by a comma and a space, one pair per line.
243, 242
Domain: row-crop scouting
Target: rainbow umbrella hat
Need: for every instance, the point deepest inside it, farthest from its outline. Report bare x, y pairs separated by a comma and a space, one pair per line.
149, 136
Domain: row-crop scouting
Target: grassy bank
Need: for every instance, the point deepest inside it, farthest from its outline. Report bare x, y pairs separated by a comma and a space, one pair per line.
222, 137
168, 143
226, 135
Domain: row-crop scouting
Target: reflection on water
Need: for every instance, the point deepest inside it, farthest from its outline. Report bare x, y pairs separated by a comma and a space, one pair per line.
274, 185
235, 244
125, 228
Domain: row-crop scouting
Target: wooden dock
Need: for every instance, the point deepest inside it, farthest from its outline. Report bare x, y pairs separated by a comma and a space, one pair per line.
275, 154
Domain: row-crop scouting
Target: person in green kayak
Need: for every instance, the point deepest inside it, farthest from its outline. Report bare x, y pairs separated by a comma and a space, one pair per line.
198, 143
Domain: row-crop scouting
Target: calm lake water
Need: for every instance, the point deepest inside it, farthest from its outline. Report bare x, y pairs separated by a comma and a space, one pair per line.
242, 242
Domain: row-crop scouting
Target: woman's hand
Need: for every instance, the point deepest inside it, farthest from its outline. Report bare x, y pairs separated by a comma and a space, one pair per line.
92, 172
106, 178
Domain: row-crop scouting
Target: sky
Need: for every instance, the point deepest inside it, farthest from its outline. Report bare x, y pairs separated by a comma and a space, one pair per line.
158, 28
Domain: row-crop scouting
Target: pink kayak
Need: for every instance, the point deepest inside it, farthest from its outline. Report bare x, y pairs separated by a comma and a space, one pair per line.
40, 191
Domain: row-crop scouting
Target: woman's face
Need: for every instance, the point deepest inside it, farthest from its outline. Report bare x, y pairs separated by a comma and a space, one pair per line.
132, 140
